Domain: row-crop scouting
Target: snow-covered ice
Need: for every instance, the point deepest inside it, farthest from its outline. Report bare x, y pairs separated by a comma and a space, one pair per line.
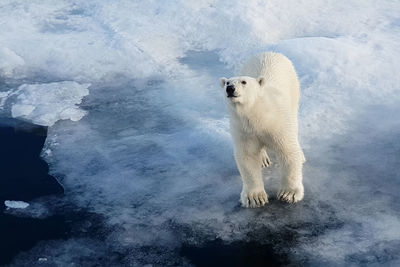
44, 104
147, 145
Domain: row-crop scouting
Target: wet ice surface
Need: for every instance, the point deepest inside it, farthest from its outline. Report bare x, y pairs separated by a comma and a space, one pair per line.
152, 159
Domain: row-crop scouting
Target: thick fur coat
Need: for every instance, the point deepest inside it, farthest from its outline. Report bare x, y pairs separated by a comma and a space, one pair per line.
263, 103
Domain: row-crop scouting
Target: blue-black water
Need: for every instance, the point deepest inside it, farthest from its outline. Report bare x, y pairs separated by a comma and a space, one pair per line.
24, 173
24, 176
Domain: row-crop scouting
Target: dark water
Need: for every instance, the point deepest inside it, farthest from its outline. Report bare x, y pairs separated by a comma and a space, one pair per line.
24, 176
24, 173
240, 253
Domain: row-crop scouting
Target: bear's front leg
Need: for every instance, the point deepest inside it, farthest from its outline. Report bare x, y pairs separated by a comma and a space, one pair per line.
292, 189
248, 160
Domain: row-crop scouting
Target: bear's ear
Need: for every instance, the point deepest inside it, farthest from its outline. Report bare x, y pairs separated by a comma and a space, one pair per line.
223, 82
261, 81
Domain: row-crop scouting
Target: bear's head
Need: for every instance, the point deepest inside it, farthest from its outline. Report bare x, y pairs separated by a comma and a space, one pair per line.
242, 90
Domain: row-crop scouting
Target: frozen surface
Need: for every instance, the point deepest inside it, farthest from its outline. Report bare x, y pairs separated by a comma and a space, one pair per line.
153, 155
44, 104
14, 204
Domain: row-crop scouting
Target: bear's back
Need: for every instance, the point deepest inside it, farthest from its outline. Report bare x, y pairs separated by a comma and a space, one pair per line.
278, 72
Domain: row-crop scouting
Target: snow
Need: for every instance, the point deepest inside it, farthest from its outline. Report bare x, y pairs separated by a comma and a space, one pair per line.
150, 150
9, 61
13, 204
44, 104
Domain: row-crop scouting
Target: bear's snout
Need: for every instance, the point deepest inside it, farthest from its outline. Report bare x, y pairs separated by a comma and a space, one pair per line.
230, 89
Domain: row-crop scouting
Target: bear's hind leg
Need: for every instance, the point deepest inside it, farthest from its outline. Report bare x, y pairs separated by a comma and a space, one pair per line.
265, 161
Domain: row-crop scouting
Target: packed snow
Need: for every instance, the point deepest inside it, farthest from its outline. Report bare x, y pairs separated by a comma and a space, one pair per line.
139, 133
44, 104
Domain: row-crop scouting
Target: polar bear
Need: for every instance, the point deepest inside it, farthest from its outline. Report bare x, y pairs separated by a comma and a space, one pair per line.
263, 104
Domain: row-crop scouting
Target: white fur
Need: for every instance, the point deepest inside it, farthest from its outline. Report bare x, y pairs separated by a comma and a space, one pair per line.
264, 116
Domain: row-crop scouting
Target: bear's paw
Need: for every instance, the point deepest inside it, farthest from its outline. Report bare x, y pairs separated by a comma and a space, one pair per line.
291, 195
254, 198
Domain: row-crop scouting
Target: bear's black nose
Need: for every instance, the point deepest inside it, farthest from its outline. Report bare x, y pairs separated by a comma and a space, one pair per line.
230, 89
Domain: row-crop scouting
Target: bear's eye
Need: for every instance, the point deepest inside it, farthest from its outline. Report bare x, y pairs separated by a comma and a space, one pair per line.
243, 82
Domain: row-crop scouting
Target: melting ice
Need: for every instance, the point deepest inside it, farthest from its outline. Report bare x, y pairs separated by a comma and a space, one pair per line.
147, 145
14, 204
